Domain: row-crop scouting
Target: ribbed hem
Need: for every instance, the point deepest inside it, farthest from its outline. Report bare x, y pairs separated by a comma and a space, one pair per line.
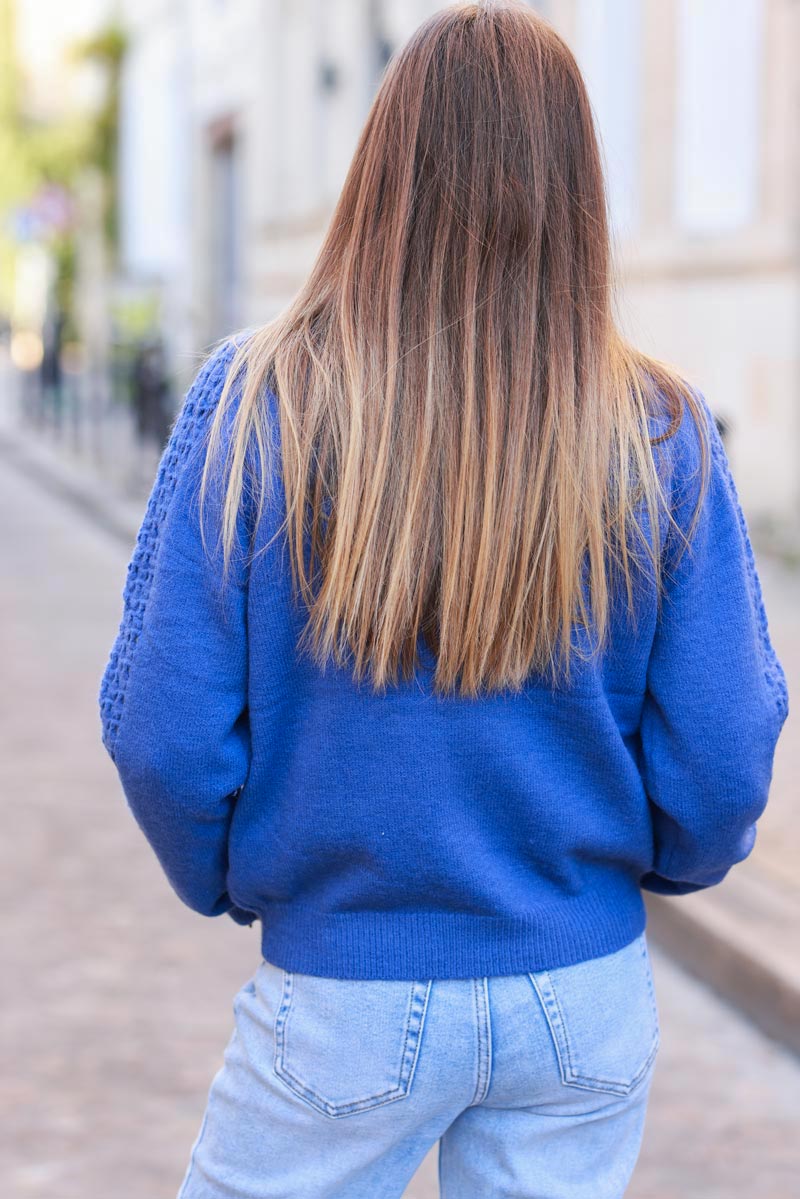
424, 945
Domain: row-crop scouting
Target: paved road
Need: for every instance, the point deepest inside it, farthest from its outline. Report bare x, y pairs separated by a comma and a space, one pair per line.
116, 998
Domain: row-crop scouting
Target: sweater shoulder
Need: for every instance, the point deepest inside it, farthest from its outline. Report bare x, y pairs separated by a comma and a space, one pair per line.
204, 393
716, 544
678, 439
691, 463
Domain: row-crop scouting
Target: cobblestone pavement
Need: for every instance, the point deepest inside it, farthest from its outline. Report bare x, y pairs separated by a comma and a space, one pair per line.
116, 999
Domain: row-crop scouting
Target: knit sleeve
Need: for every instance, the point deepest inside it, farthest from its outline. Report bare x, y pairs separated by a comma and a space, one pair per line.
173, 696
716, 697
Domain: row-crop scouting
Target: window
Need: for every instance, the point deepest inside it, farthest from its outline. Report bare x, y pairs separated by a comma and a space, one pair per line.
719, 54
608, 48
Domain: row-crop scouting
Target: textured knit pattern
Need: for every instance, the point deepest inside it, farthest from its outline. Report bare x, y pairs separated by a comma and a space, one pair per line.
773, 672
185, 437
415, 836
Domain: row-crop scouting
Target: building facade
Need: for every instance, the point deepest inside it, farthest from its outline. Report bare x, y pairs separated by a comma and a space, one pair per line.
240, 119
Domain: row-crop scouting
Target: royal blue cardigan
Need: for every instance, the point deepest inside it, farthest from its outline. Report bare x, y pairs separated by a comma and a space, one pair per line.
410, 836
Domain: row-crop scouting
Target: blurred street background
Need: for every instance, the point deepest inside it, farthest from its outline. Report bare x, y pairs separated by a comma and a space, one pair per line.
168, 170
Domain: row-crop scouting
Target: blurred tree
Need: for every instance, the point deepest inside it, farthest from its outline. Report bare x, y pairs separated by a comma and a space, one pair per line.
38, 155
106, 48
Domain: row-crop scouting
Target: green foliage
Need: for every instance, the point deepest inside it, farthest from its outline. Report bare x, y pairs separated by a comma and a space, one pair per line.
63, 249
136, 316
107, 49
35, 153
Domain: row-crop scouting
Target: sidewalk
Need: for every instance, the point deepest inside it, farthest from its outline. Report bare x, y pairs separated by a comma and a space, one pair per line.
740, 937
743, 936
116, 998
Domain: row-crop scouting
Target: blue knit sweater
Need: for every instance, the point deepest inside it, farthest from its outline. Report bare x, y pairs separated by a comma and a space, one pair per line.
410, 836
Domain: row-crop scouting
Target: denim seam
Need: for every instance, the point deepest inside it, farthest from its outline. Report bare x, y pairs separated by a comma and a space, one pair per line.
196, 1146
483, 1065
558, 1027
651, 989
571, 1071
488, 1031
414, 1022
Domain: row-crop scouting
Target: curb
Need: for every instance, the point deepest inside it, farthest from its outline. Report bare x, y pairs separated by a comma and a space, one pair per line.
75, 481
740, 939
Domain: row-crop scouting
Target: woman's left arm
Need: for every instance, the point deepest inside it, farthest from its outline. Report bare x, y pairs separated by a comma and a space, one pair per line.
173, 698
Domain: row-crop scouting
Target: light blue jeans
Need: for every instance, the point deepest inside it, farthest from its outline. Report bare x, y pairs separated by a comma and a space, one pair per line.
535, 1085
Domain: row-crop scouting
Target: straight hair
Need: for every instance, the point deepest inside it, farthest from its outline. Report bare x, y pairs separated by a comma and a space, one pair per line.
465, 444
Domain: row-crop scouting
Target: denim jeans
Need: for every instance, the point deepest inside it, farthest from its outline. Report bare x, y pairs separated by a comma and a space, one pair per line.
534, 1084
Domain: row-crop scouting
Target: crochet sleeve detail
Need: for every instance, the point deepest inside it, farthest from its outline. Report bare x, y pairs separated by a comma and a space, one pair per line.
773, 671
716, 696
723, 495
185, 437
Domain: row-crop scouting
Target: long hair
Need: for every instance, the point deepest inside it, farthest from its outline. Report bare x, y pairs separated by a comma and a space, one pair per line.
464, 433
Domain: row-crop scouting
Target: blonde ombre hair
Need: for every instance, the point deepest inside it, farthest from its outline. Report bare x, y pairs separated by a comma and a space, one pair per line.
463, 430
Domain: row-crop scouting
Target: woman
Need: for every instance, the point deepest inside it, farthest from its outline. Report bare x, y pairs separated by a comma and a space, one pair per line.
477, 654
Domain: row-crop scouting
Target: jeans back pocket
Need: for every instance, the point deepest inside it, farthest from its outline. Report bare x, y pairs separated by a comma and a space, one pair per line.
603, 1018
348, 1045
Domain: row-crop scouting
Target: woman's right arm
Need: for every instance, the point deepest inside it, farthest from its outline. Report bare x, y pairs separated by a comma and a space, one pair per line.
716, 697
